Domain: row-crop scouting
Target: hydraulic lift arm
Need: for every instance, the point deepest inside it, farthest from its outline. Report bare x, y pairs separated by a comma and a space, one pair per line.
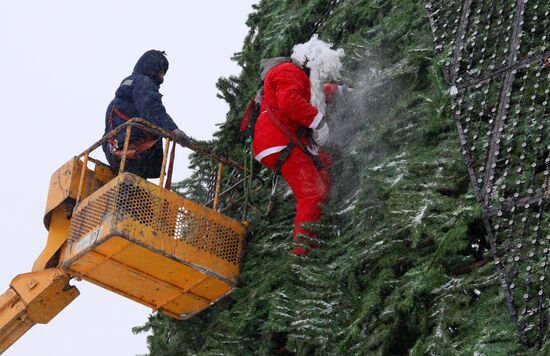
33, 298
38, 296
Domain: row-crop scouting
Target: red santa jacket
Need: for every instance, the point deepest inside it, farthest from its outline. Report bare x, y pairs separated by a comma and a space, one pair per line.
287, 95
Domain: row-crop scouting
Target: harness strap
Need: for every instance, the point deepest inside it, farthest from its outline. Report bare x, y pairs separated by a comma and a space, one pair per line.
141, 145
294, 141
133, 150
283, 157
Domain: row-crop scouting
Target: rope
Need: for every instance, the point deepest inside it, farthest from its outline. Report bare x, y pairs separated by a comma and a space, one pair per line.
248, 161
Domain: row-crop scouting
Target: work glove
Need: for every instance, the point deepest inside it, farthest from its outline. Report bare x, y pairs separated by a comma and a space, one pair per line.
320, 134
181, 137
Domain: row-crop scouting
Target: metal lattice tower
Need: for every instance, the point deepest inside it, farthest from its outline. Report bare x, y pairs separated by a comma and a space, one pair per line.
496, 54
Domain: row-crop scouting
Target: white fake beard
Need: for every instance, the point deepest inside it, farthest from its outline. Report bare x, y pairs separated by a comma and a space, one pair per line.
324, 64
317, 93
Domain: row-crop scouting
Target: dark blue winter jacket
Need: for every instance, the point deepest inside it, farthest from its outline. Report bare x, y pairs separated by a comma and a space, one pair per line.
138, 96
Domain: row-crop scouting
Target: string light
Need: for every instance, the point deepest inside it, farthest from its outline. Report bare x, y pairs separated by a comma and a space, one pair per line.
497, 60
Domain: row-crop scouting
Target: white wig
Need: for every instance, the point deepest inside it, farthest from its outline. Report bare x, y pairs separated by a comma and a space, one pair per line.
324, 63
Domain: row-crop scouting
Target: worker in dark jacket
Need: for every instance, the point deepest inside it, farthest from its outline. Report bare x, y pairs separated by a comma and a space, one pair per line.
138, 96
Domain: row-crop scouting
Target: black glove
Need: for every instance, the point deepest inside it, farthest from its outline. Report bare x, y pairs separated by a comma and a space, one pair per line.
181, 137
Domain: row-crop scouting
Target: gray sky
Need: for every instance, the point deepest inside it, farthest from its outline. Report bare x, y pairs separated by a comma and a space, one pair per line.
61, 63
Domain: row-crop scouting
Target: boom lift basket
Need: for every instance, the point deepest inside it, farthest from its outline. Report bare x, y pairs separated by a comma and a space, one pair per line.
154, 246
145, 242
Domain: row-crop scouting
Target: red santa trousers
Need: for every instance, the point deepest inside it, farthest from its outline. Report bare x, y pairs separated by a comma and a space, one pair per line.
310, 186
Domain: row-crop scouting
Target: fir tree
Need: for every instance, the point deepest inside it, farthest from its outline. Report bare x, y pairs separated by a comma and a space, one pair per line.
403, 267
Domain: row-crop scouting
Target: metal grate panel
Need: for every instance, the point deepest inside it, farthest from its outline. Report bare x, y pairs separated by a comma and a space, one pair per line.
179, 219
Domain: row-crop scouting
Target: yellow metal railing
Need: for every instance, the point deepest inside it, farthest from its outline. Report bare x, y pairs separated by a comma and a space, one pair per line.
165, 178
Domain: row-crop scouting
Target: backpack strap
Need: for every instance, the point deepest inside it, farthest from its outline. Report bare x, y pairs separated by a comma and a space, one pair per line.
248, 123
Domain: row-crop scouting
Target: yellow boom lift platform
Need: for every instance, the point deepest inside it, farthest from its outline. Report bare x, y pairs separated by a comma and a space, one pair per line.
128, 235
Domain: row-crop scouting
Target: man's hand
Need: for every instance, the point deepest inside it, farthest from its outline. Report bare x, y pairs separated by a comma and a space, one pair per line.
181, 137
320, 134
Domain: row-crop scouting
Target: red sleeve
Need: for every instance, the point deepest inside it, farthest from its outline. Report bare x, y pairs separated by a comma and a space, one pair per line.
289, 85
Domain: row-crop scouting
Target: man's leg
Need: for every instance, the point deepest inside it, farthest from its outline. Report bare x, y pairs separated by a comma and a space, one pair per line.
326, 159
310, 187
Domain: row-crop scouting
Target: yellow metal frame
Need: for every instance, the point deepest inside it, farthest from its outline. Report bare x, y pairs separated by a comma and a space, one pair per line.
66, 187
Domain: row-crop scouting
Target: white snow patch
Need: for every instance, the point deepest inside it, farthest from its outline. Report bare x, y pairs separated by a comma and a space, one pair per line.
350, 203
281, 294
429, 185
397, 179
402, 211
409, 125
277, 234
402, 154
453, 91
451, 284
284, 314
393, 163
377, 168
418, 218
287, 193
346, 209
